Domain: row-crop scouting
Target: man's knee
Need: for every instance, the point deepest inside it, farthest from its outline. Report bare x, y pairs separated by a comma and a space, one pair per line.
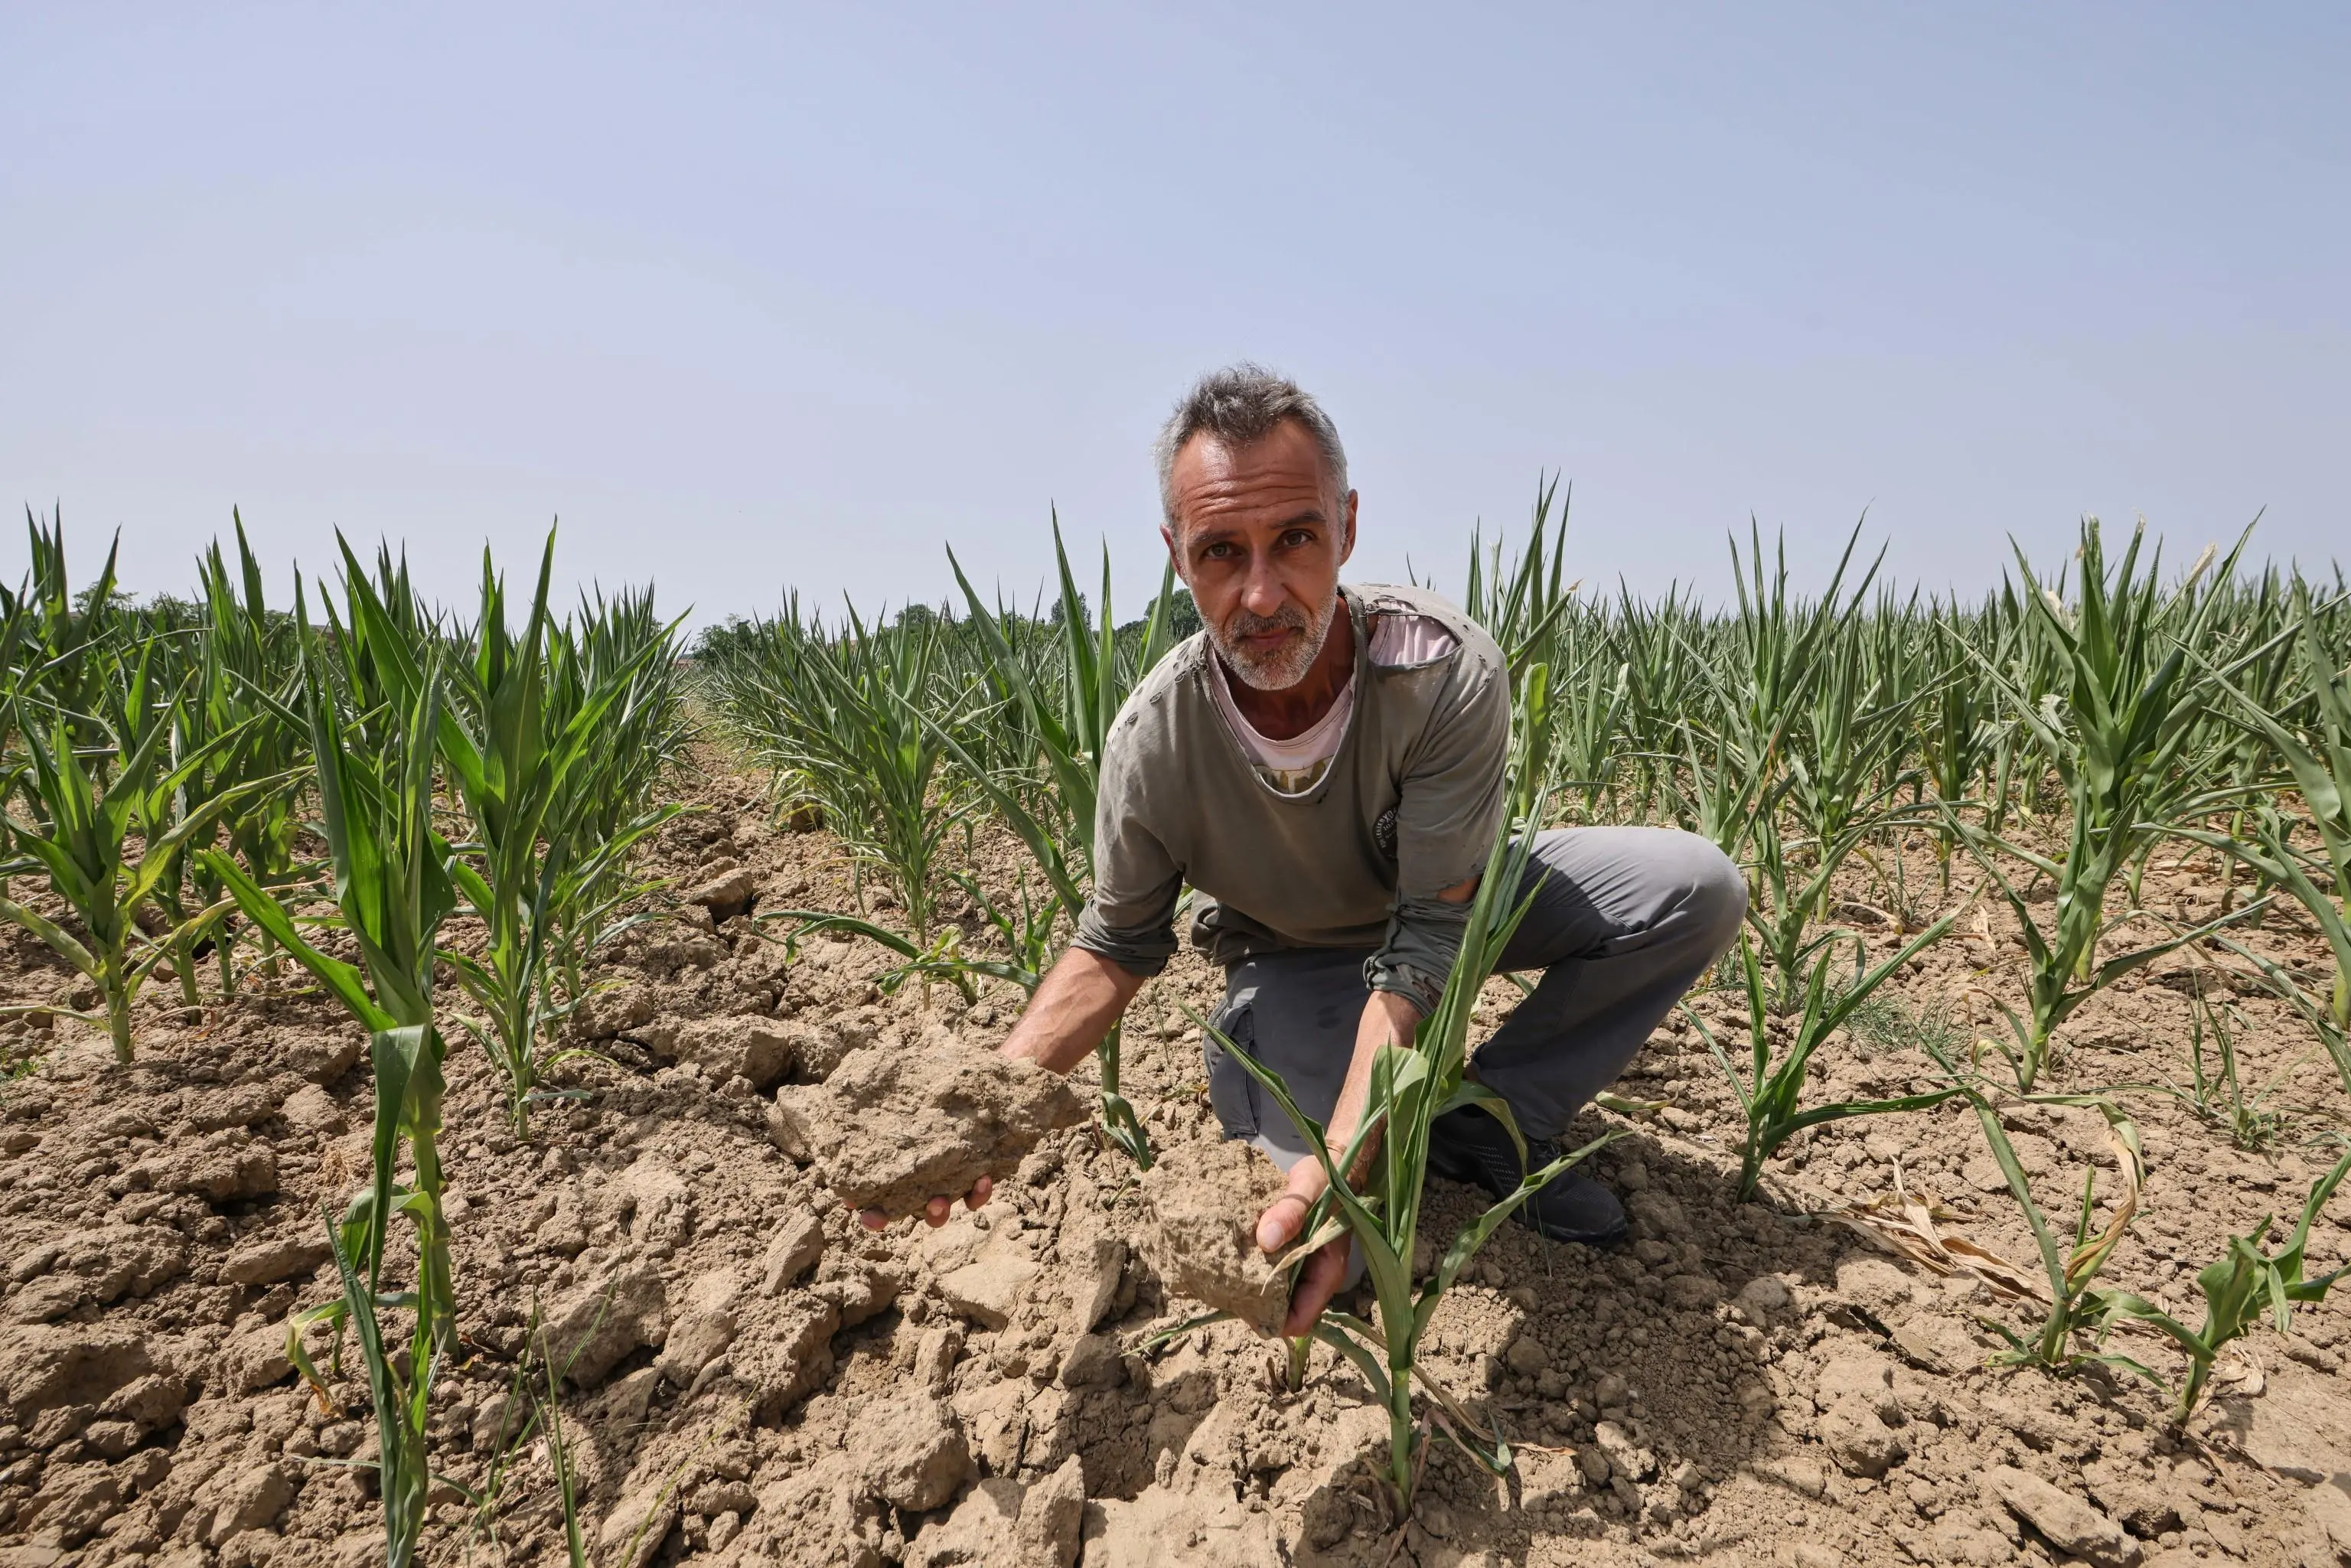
1714, 894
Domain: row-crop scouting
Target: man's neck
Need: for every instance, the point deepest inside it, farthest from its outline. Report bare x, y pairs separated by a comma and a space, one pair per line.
1289, 712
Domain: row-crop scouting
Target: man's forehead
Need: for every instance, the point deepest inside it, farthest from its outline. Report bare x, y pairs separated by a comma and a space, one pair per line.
1269, 472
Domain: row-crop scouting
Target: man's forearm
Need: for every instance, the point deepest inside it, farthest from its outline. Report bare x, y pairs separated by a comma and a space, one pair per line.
1388, 1018
1076, 1005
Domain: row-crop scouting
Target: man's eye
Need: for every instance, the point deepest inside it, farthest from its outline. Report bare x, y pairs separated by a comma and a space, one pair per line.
1296, 537
1217, 551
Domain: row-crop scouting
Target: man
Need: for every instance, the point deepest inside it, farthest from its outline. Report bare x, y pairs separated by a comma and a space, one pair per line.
1325, 767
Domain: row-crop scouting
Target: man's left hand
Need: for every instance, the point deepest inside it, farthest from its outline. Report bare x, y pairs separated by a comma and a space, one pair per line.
1325, 1271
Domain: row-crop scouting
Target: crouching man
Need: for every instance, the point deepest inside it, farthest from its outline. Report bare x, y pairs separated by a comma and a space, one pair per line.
1324, 765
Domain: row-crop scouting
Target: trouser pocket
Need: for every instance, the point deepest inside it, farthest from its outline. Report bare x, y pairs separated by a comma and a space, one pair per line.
1228, 1080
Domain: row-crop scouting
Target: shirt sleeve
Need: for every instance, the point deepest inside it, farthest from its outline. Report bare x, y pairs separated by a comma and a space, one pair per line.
1451, 805
1129, 916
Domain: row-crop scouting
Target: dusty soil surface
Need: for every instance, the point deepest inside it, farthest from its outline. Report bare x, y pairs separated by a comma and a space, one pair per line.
760, 1381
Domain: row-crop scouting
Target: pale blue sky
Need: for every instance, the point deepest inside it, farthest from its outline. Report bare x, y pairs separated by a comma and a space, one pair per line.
756, 297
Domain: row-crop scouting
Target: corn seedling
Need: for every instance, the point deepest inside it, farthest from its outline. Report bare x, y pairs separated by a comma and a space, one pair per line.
1770, 1092
2113, 726
246, 679
513, 766
850, 719
2240, 1288
2074, 1302
2321, 769
70, 645
1410, 1087
1069, 722
403, 1452
392, 893
80, 842
1522, 606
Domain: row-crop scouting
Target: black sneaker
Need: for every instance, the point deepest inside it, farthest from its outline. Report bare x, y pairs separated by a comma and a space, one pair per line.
1469, 1145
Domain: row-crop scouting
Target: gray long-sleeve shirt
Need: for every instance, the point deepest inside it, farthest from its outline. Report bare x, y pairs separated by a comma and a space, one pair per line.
1409, 806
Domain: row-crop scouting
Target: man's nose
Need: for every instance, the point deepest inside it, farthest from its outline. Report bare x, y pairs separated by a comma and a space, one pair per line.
1262, 594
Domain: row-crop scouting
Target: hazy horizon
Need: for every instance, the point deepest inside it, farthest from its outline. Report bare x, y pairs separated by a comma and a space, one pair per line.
756, 302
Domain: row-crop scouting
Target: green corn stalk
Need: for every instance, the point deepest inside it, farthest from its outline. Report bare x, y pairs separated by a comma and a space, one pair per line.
2237, 1289
80, 842
1662, 651
1069, 721
2130, 698
245, 677
1961, 737
219, 751
1523, 605
71, 640
848, 720
513, 767
1588, 731
393, 892
1410, 1087
403, 1455
608, 807
1750, 765
1771, 1093
2075, 1300
2321, 769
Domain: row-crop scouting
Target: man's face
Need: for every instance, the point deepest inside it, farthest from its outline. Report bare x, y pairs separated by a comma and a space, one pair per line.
1259, 538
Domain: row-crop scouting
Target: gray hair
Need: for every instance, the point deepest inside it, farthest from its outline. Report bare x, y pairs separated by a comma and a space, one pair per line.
1238, 405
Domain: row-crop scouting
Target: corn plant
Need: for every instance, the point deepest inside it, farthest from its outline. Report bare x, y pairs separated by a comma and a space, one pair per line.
1746, 771
245, 680
2321, 769
2074, 1302
2241, 1287
2113, 726
393, 892
514, 764
1410, 1087
1771, 1093
81, 842
70, 645
847, 719
404, 1451
1522, 606
607, 809
1069, 721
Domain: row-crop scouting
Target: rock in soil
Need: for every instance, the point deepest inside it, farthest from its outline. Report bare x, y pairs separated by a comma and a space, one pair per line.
1200, 1207
2064, 1520
896, 1126
911, 1453
606, 1319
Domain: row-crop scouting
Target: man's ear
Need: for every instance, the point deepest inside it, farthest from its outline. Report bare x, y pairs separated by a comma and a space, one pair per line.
1347, 540
1175, 556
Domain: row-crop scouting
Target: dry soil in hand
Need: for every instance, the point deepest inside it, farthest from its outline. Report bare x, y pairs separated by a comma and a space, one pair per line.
1200, 1207
896, 1126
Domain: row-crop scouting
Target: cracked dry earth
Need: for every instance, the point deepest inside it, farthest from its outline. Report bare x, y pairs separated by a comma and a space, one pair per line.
758, 1381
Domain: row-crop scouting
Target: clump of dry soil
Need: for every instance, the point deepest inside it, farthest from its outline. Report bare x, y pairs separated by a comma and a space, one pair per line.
895, 1126
1200, 1205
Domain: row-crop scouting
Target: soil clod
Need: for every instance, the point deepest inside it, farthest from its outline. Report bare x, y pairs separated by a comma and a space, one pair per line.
1201, 1203
897, 1124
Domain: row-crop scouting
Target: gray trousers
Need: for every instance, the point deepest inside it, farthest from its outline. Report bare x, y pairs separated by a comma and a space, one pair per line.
1624, 920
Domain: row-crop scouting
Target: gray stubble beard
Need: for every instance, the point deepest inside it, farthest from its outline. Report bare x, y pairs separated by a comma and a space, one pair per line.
1287, 668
